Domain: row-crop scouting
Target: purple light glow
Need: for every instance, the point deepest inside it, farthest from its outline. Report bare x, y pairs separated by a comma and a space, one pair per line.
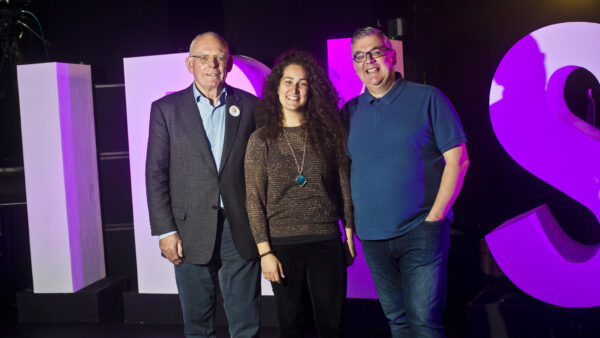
68, 157
533, 124
341, 70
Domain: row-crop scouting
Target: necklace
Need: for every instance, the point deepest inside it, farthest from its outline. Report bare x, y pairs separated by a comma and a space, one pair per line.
300, 180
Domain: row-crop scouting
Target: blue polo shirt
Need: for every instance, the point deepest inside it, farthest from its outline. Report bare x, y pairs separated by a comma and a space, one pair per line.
396, 144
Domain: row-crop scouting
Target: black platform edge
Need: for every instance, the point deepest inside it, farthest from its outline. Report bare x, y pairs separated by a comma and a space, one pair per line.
148, 308
97, 302
503, 310
145, 308
365, 315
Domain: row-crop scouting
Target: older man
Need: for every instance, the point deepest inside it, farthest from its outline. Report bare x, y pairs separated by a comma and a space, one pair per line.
408, 163
196, 192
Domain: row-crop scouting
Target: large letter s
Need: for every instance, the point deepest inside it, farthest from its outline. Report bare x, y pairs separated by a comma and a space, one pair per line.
532, 122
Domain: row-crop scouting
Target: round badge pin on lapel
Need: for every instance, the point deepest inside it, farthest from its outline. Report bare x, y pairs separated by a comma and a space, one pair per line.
234, 111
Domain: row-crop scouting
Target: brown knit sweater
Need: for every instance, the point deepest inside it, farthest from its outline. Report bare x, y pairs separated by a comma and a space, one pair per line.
280, 210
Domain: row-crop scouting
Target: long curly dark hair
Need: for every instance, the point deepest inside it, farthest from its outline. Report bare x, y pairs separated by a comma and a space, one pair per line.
326, 131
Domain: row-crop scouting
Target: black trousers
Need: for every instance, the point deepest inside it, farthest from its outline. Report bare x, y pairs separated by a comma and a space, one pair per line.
319, 267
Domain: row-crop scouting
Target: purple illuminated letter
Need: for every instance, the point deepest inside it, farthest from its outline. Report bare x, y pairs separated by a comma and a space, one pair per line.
534, 125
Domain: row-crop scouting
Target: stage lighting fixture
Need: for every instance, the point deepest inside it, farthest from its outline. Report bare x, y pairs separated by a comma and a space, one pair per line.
396, 29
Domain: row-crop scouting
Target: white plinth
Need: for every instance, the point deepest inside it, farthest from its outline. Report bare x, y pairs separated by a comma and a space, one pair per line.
61, 176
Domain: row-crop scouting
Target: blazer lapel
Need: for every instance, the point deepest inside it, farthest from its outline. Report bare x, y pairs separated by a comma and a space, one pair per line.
192, 123
231, 124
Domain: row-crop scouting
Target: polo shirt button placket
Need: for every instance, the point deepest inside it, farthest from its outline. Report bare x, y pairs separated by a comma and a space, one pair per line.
378, 113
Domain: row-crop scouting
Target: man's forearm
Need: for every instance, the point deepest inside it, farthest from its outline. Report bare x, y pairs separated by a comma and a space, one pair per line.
457, 162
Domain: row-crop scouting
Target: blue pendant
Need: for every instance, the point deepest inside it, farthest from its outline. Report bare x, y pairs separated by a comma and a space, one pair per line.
301, 180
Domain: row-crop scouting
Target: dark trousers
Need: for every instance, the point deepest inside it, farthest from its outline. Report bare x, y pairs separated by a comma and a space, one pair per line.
319, 267
410, 277
239, 281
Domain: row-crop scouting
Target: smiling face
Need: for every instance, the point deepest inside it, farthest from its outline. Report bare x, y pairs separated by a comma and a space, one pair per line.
376, 73
293, 89
209, 61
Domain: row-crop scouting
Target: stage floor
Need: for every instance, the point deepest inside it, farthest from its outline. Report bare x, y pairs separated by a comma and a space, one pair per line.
10, 328
116, 330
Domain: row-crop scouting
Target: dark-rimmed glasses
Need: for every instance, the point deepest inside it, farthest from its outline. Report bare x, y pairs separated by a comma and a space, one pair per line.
374, 53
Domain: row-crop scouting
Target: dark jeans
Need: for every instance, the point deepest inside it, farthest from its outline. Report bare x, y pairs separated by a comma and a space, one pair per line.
410, 277
239, 281
320, 267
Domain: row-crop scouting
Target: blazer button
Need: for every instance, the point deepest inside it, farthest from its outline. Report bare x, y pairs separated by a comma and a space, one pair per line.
214, 207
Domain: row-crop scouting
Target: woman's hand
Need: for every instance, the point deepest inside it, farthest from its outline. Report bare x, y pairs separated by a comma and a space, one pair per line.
271, 268
349, 247
350, 252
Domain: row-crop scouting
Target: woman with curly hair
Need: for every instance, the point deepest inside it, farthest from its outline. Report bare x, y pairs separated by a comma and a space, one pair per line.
297, 187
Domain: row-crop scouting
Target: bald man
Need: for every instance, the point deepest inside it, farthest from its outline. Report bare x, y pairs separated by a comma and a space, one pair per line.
196, 192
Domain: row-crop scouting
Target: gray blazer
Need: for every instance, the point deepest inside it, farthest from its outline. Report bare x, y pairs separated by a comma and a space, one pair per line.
182, 181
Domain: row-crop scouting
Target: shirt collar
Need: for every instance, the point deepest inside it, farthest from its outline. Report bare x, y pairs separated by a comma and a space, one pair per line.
199, 97
391, 95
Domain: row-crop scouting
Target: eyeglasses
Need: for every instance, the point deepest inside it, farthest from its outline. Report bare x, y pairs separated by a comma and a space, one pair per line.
206, 58
374, 53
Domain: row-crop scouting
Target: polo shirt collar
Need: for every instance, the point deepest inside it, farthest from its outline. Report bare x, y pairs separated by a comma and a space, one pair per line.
392, 94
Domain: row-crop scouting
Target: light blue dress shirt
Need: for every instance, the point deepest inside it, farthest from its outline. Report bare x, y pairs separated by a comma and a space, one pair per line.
213, 119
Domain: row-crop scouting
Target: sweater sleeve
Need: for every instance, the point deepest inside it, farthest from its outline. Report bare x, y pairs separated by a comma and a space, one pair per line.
256, 187
344, 172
